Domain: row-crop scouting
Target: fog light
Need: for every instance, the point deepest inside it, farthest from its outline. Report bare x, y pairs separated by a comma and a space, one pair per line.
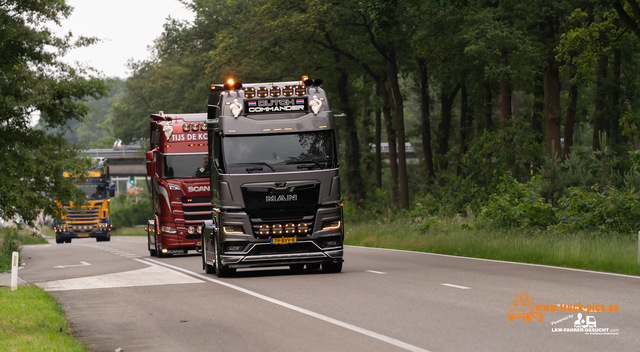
164, 250
264, 230
331, 243
303, 227
234, 248
290, 228
277, 229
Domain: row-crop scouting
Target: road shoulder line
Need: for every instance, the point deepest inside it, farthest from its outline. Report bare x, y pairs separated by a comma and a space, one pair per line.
502, 261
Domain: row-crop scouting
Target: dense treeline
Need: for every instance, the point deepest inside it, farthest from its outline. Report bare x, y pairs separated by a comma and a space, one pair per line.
482, 89
36, 85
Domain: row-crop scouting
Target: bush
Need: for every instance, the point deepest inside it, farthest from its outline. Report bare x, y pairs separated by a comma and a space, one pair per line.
125, 212
600, 209
519, 205
8, 245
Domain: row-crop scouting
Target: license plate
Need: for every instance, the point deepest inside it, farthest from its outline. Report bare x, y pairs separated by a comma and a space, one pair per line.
284, 240
83, 235
199, 244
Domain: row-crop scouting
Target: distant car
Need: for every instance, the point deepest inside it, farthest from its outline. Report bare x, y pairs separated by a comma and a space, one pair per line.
117, 144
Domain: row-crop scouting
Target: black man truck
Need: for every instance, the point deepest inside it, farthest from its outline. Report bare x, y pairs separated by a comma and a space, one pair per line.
275, 188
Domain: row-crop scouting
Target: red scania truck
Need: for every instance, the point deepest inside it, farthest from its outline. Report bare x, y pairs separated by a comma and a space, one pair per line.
177, 166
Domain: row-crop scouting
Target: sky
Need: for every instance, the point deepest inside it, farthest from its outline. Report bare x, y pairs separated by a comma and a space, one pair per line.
127, 28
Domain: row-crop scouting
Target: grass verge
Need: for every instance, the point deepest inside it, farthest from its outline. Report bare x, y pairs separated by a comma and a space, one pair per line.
612, 253
31, 320
129, 231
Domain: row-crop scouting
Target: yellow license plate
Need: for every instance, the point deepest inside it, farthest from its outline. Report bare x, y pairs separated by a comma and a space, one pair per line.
83, 235
284, 240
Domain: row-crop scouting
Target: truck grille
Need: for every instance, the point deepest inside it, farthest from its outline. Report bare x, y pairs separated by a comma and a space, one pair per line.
196, 200
196, 210
82, 214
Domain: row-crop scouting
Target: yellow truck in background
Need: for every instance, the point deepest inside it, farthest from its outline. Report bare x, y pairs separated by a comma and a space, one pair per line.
93, 219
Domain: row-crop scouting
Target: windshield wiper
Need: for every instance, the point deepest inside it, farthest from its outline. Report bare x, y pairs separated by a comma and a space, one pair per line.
306, 166
258, 169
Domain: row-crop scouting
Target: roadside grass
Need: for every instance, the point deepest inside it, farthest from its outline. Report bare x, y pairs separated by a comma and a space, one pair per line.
610, 253
47, 231
11, 239
129, 231
31, 320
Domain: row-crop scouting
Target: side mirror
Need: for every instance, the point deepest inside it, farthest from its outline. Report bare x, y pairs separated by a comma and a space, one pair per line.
151, 164
112, 190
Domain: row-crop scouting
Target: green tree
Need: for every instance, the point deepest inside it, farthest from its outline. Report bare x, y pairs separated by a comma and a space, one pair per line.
33, 81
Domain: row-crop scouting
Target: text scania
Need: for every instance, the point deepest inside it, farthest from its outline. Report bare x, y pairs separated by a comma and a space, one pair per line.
189, 137
199, 189
282, 198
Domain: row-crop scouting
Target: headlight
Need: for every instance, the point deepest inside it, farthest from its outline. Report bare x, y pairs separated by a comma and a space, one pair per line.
199, 229
168, 229
174, 187
233, 230
191, 230
331, 225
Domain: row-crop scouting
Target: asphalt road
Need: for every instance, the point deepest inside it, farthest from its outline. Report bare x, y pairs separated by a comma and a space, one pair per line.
116, 296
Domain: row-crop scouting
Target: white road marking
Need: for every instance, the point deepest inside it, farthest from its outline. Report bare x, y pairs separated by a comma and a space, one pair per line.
457, 286
69, 266
150, 276
325, 318
375, 272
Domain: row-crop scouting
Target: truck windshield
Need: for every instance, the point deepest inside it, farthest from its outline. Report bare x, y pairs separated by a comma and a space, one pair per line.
94, 191
185, 166
279, 152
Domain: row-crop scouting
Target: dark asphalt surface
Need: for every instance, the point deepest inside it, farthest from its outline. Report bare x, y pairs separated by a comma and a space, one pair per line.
116, 296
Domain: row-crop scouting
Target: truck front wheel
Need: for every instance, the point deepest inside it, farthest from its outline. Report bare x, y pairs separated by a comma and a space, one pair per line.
222, 271
59, 240
152, 252
208, 269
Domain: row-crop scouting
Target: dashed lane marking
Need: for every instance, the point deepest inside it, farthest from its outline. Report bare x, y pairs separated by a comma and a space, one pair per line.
457, 286
375, 272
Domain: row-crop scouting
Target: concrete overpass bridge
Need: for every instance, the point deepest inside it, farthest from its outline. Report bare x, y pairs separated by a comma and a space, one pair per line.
125, 162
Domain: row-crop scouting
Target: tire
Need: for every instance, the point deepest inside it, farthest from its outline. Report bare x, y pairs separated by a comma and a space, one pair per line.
332, 267
158, 251
59, 240
208, 269
221, 271
314, 266
152, 252
68, 240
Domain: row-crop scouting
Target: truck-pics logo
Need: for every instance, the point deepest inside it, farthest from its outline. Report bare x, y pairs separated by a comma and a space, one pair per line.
523, 308
199, 189
283, 198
